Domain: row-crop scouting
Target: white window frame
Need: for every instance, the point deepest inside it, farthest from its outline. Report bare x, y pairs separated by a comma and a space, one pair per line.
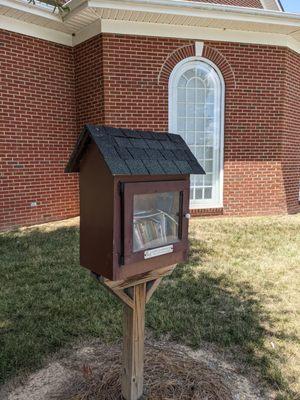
180, 68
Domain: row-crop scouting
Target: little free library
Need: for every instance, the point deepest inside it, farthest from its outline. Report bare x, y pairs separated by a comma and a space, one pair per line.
224, 75
136, 231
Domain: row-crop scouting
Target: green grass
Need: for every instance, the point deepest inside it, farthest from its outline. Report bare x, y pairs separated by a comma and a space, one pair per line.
240, 291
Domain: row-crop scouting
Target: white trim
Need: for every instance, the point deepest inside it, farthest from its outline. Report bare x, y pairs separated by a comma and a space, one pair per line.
287, 25
87, 33
25, 28
271, 5
20, 5
199, 46
197, 8
147, 29
190, 32
215, 203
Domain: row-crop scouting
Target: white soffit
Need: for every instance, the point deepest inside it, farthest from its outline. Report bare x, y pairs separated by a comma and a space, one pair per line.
228, 35
25, 28
166, 18
20, 11
271, 5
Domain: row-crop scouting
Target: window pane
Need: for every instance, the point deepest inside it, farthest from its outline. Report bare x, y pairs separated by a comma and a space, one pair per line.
209, 125
182, 82
181, 94
199, 110
190, 125
199, 124
201, 73
181, 109
209, 140
189, 74
190, 138
181, 124
207, 193
198, 121
200, 153
199, 193
209, 83
210, 95
192, 84
193, 149
199, 180
190, 112
208, 166
200, 96
209, 110
208, 153
208, 181
155, 220
191, 95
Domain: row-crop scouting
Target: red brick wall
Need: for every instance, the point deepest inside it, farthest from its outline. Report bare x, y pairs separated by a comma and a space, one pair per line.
89, 82
241, 3
291, 138
37, 130
253, 130
50, 91
131, 66
253, 182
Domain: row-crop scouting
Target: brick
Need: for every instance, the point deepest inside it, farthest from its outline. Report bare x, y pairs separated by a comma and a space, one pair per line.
113, 79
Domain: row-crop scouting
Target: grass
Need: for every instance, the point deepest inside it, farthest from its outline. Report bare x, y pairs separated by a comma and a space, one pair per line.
240, 291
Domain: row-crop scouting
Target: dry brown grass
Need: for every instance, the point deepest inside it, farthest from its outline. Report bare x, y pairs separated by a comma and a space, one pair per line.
168, 375
262, 255
239, 291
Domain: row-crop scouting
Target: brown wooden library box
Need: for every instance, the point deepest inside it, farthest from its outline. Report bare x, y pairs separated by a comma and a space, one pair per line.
134, 199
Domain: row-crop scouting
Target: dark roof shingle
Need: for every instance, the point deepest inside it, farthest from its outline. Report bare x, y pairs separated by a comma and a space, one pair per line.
130, 152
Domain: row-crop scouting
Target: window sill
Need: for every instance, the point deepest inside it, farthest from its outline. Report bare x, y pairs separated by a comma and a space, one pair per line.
201, 206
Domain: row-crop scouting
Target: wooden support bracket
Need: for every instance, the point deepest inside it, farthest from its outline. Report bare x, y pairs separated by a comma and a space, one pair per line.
135, 292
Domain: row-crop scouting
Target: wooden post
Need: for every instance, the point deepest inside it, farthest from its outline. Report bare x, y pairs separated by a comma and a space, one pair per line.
134, 292
133, 345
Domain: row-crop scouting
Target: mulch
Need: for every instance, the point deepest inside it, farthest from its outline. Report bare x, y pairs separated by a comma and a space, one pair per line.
168, 375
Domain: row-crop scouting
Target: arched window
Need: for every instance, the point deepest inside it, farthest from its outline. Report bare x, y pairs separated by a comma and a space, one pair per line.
196, 112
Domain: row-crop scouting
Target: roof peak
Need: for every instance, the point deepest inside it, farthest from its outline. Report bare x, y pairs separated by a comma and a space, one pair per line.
134, 152
271, 5
235, 3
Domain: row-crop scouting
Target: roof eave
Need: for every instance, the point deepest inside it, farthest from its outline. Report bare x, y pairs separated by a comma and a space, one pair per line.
85, 16
186, 6
31, 9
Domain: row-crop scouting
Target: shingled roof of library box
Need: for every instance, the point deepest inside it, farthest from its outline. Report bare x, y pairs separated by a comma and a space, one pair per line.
134, 152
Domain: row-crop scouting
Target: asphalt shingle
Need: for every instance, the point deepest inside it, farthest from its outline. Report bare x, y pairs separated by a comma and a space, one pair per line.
169, 167
130, 152
123, 141
117, 165
136, 167
154, 168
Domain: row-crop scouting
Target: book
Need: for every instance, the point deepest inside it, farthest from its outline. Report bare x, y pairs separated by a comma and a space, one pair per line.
153, 229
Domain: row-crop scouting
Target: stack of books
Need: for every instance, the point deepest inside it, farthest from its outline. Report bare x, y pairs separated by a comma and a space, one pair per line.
153, 229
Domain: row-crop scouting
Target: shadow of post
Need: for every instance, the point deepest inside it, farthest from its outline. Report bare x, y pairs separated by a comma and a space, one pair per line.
48, 301
194, 306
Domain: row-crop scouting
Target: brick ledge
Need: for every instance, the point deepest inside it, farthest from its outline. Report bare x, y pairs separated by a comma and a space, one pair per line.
206, 212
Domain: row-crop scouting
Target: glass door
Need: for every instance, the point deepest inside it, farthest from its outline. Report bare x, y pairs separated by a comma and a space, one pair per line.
154, 222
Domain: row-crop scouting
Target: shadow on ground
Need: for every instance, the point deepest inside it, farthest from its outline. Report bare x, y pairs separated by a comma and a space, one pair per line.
193, 306
47, 302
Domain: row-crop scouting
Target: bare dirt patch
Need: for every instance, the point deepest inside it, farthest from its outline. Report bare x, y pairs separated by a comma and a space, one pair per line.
52, 226
91, 372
